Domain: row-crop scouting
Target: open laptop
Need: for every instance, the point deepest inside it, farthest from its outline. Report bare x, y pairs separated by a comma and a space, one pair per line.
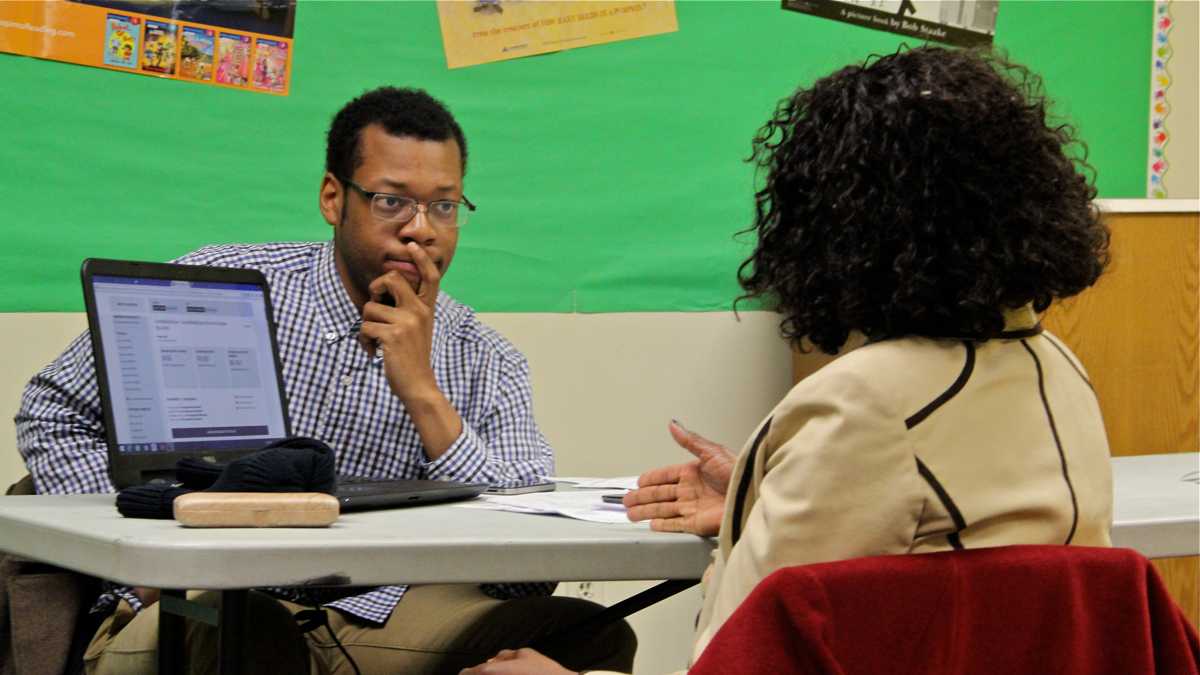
188, 366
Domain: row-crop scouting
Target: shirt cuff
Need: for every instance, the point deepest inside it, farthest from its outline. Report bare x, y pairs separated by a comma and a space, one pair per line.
463, 461
126, 593
374, 607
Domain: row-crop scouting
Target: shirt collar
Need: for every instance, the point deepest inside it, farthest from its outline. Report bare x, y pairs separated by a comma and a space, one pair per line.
1020, 322
339, 316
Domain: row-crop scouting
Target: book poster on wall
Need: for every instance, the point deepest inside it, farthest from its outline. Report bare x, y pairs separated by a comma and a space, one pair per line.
966, 23
242, 44
483, 31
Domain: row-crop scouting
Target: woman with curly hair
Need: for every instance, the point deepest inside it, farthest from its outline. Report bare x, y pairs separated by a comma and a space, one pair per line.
923, 207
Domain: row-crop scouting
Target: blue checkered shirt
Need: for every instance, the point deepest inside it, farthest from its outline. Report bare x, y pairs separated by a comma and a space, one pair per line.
335, 392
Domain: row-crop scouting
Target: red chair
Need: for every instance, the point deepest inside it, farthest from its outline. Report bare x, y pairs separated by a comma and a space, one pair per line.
1014, 610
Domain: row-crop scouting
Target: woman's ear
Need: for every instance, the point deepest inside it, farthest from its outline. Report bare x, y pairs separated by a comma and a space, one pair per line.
331, 199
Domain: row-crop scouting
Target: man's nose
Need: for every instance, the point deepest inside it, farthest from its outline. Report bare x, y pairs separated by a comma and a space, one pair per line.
418, 229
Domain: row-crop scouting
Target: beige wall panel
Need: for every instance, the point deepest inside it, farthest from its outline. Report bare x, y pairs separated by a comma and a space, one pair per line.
1182, 179
27, 343
606, 385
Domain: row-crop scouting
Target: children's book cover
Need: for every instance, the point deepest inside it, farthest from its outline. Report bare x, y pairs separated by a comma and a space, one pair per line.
270, 64
233, 59
158, 47
196, 53
121, 35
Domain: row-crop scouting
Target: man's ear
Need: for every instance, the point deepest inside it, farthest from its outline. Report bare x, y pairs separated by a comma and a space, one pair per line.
331, 199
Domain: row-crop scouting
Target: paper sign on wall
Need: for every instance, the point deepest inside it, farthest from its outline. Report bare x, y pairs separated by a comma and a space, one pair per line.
966, 23
482, 31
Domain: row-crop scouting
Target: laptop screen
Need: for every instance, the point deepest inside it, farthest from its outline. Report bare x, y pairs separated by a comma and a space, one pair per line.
189, 364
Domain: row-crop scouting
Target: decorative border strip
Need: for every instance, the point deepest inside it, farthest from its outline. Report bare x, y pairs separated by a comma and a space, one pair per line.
1159, 81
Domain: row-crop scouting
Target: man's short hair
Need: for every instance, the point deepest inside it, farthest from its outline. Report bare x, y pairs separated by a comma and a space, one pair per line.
400, 111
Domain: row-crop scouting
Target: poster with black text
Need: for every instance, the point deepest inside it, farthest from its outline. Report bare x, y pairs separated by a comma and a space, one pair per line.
966, 23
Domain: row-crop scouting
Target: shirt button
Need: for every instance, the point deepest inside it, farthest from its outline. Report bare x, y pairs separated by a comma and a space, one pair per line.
331, 336
346, 380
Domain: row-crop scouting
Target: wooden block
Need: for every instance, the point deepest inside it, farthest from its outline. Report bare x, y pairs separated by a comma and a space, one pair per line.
256, 509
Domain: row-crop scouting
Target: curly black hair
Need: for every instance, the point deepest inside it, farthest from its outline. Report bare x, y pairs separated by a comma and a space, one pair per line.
921, 193
402, 112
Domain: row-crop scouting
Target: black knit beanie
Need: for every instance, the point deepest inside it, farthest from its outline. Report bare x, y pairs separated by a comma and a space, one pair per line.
297, 464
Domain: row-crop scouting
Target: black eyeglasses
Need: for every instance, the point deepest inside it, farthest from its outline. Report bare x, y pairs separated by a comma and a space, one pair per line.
398, 209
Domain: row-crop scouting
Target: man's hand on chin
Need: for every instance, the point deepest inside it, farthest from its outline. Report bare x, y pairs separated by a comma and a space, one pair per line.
403, 333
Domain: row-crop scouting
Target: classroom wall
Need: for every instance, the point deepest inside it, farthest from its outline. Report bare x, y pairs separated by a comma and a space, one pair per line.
608, 178
605, 384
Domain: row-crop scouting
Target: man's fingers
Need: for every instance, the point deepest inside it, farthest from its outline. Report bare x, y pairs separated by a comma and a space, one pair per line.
148, 596
368, 336
431, 277
368, 345
394, 284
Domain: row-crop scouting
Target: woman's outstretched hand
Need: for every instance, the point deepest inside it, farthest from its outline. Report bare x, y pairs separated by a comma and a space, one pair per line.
687, 497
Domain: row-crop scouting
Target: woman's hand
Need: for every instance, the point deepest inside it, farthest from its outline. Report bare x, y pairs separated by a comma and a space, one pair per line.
685, 497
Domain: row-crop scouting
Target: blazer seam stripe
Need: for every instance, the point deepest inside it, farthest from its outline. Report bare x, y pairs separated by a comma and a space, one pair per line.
1062, 458
952, 508
960, 382
744, 485
1072, 362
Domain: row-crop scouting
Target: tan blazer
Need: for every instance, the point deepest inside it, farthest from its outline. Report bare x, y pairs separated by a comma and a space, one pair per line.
916, 445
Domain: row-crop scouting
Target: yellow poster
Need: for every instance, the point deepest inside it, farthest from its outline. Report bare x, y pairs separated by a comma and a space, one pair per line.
482, 31
243, 44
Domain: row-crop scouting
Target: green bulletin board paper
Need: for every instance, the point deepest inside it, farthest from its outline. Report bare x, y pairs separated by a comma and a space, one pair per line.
609, 178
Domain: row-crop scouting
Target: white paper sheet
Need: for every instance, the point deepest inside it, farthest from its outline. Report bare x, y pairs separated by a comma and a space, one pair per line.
587, 483
578, 504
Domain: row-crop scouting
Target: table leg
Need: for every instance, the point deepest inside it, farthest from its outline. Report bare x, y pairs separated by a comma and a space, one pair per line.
622, 609
232, 627
170, 636
229, 619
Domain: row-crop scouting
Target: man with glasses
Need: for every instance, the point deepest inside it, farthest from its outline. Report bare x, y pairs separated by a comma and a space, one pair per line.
399, 378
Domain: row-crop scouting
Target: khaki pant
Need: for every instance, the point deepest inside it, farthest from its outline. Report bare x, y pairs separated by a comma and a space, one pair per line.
437, 628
